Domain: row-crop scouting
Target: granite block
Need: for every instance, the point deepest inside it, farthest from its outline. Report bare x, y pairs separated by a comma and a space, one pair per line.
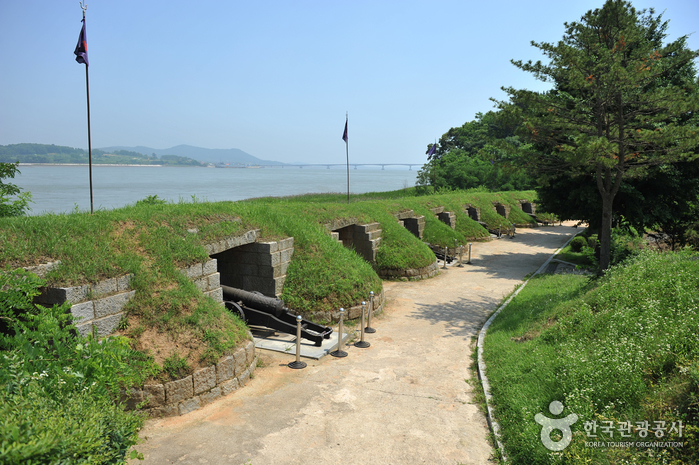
229, 386
204, 379
178, 390
188, 405
225, 369
112, 304
210, 396
154, 394
83, 312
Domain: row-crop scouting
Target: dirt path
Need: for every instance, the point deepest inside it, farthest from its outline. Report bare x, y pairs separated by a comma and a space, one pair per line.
404, 400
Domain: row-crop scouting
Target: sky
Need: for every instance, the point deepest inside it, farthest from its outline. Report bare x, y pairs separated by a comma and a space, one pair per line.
275, 78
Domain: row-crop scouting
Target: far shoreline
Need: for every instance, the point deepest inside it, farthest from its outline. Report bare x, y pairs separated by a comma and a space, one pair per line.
100, 164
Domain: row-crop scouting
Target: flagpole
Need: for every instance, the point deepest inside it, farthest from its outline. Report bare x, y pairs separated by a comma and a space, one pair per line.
347, 148
89, 137
82, 57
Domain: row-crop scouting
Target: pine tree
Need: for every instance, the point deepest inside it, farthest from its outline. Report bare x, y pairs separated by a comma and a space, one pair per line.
622, 101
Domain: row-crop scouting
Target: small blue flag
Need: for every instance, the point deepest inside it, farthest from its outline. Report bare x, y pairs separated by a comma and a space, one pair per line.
81, 48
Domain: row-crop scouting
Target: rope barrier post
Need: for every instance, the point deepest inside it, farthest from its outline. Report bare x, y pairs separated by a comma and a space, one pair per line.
368, 328
298, 364
461, 256
445, 258
337, 352
362, 344
469, 253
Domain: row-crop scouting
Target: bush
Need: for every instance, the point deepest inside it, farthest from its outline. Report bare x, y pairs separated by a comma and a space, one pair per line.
58, 391
577, 244
592, 241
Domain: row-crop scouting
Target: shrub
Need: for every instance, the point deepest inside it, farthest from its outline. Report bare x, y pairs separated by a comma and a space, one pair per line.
592, 241
577, 244
59, 391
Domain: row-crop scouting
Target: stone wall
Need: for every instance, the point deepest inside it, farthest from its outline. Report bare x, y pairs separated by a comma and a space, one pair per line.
353, 312
502, 210
364, 238
256, 266
473, 212
202, 387
100, 307
448, 218
95, 307
207, 278
411, 222
413, 274
527, 207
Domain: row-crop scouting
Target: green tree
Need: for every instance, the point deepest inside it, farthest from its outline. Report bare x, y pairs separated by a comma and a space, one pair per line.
476, 154
622, 101
13, 202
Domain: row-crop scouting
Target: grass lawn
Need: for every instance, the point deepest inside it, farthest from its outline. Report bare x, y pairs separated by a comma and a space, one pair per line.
618, 352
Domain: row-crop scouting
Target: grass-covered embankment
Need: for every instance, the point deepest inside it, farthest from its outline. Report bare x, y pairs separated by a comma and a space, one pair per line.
60, 393
153, 239
615, 351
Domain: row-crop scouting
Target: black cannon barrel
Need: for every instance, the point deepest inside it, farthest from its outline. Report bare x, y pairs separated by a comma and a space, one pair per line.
254, 300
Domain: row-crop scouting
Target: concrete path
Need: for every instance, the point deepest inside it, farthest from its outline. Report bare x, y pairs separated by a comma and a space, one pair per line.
404, 400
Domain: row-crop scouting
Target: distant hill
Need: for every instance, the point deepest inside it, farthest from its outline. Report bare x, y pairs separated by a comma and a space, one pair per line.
201, 154
43, 153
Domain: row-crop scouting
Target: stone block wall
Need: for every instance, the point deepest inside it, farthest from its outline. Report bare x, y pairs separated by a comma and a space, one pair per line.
99, 307
354, 312
414, 224
413, 274
256, 266
473, 212
502, 210
95, 307
448, 218
364, 238
206, 277
202, 387
527, 207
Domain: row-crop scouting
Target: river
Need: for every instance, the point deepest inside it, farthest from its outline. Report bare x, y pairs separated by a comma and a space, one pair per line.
62, 188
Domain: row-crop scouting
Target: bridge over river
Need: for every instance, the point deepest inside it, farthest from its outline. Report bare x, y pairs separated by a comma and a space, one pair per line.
314, 165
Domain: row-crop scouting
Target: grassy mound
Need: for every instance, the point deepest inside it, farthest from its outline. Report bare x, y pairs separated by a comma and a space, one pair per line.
617, 352
170, 319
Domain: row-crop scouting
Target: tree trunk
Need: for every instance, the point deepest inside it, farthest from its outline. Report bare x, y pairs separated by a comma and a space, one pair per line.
605, 232
608, 187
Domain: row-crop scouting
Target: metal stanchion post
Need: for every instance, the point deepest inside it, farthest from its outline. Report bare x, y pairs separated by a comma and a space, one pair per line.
362, 344
461, 256
469, 253
298, 363
445, 258
368, 328
338, 352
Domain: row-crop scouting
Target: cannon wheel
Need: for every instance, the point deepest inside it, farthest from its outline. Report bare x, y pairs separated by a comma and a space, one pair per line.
237, 310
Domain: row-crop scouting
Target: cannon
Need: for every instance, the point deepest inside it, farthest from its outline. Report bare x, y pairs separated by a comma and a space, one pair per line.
259, 310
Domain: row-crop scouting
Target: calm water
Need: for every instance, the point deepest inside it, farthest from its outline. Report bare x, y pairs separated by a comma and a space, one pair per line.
58, 189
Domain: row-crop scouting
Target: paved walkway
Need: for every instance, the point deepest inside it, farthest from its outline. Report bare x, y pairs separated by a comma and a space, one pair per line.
405, 400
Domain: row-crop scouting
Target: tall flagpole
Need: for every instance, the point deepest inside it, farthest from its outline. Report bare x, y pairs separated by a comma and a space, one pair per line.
346, 138
89, 136
87, 86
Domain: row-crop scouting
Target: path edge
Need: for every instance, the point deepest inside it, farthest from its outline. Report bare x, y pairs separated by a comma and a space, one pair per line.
492, 423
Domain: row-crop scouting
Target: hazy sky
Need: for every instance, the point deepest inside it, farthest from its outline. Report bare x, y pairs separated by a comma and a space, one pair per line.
274, 78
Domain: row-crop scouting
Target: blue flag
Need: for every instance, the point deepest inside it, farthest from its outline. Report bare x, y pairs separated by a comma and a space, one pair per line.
344, 134
81, 48
432, 150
